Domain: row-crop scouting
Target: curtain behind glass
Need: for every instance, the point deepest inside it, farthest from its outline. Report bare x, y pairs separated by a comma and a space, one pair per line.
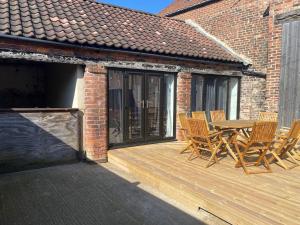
221, 88
215, 93
233, 98
210, 100
169, 105
115, 107
199, 93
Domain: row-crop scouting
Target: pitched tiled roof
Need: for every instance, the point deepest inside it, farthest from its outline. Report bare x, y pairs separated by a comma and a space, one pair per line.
178, 5
89, 23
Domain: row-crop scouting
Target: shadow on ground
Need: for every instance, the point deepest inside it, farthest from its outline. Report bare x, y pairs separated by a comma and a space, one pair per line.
81, 194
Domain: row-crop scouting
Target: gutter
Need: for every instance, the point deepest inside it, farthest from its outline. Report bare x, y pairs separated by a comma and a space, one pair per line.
254, 73
195, 6
68, 45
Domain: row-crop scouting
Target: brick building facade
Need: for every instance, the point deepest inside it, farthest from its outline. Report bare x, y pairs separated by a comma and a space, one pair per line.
251, 29
96, 64
119, 58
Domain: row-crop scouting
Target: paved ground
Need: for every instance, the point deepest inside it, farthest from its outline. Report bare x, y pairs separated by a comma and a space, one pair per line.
81, 194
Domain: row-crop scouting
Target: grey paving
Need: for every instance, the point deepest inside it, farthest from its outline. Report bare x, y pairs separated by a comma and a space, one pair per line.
81, 194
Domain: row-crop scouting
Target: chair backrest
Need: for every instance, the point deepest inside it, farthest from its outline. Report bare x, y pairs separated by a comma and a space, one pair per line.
218, 115
183, 120
268, 116
200, 115
263, 132
294, 132
198, 128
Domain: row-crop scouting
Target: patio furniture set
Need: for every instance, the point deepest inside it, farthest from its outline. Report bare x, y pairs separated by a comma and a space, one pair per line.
251, 143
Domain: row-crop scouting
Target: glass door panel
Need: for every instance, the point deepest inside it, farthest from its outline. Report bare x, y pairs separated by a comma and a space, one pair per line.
221, 96
197, 97
115, 107
135, 107
210, 95
153, 106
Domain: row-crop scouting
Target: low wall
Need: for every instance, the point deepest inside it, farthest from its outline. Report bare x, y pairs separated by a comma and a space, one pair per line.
32, 138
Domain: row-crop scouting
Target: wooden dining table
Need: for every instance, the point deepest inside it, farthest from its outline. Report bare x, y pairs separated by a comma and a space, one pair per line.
230, 126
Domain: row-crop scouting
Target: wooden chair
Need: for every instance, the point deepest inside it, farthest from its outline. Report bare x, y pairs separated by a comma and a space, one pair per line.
217, 116
257, 145
285, 146
203, 140
200, 115
184, 131
268, 116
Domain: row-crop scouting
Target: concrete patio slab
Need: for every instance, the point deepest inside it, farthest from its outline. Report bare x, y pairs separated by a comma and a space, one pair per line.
81, 194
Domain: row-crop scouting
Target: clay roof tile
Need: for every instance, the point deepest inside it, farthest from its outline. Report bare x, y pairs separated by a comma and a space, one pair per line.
87, 22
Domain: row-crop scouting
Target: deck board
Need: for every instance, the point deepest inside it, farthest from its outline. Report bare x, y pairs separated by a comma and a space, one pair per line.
222, 189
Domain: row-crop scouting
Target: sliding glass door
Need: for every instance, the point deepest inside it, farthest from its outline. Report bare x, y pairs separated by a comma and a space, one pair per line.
134, 107
141, 106
153, 100
215, 93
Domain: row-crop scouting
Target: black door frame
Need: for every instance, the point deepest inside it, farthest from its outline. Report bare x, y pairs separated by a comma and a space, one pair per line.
145, 140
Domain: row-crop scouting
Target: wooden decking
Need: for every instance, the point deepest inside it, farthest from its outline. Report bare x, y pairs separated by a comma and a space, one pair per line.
222, 190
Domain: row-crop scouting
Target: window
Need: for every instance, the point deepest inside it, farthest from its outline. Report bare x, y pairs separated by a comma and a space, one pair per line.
215, 93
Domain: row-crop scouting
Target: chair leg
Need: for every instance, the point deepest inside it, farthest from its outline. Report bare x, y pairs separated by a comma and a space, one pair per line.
214, 154
261, 157
213, 157
280, 162
267, 165
189, 145
293, 159
241, 161
229, 149
195, 152
296, 154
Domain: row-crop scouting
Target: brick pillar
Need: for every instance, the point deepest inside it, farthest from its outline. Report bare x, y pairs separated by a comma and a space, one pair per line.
274, 63
95, 113
184, 85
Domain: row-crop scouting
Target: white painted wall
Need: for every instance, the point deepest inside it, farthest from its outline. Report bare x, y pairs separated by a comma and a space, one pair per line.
65, 86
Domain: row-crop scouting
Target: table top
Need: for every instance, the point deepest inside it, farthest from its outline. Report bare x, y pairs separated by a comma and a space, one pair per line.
234, 124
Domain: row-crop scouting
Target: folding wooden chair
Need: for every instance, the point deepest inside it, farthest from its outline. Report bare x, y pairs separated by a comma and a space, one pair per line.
217, 116
268, 116
203, 140
285, 146
200, 115
184, 131
256, 146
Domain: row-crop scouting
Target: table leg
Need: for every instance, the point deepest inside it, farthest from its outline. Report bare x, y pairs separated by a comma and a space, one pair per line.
229, 149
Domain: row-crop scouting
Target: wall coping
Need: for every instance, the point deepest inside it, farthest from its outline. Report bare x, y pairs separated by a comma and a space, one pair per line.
33, 110
287, 16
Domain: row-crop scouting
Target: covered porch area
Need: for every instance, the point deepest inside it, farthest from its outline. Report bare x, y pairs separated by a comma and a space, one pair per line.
221, 189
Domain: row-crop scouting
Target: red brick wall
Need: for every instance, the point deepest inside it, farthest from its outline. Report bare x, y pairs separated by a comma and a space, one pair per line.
95, 113
252, 99
184, 84
241, 25
238, 23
